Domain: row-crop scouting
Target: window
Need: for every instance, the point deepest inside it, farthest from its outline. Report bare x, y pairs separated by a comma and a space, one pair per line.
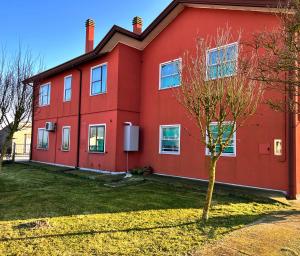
170, 74
98, 79
43, 139
65, 139
45, 94
222, 61
68, 88
97, 139
170, 139
230, 150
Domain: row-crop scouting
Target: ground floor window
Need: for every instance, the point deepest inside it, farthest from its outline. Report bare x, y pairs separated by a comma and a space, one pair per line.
43, 138
97, 138
230, 150
169, 139
66, 138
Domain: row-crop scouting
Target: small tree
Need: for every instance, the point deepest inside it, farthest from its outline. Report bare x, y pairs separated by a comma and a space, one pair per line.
16, 94
217, 89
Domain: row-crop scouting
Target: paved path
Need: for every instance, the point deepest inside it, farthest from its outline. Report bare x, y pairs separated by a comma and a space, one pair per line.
277, 234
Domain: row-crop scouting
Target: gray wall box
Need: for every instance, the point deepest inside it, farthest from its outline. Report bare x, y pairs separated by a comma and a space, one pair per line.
131, 138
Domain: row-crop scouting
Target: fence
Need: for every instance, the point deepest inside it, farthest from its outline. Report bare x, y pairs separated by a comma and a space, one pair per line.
21, 149
18, 152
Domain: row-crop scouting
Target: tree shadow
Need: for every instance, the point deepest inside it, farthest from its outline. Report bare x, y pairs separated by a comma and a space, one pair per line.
208, 230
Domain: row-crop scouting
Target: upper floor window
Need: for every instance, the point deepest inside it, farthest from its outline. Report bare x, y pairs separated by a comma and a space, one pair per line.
98, 79
67, 88
97, 138
230, 150
169, 139
65, 138
222, 61
43, 139
170, 74
45, 94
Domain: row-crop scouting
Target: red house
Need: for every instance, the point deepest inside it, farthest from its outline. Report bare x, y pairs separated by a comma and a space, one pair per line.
85, 103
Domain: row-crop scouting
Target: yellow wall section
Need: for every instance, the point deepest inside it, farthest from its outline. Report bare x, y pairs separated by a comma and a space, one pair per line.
21, 138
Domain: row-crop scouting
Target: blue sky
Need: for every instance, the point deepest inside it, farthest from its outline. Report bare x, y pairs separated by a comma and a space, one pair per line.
55, 30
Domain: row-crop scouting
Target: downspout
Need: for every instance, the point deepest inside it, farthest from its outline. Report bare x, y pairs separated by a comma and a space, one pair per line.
292, 155
32, 122
79, 119
293, 148
292, 133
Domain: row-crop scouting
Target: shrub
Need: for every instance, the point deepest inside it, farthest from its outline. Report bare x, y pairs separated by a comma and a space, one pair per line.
145, 171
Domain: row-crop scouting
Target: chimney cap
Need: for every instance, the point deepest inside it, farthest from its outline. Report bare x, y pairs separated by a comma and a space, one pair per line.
137, 21
90, 22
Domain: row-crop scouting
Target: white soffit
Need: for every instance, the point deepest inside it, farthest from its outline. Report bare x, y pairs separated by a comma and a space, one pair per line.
140, 45
236, 8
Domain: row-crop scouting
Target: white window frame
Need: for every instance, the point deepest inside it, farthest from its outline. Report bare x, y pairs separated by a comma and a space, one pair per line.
62, 138
165, 63
160, 139
219, 48
91, 78
38, 139
64, 99
105, 134
207, 153
49, 94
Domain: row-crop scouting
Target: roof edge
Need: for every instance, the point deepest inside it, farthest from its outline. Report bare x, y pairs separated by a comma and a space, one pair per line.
117, 29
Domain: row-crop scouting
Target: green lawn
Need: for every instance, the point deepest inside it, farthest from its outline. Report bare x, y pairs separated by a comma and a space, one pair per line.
81, 216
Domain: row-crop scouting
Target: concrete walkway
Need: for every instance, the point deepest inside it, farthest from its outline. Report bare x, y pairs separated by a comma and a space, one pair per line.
277, 234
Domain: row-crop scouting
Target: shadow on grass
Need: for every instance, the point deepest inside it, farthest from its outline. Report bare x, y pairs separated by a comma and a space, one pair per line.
282, 216
208, 231
28, 192
278, 216
95, 232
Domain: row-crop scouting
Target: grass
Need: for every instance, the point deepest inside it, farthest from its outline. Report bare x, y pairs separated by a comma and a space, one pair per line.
81, 216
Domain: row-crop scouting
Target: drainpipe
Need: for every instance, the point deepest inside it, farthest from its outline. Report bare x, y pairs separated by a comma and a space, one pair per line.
292, 124
79, 119
128, 174
292, 155
293, 118
32, 122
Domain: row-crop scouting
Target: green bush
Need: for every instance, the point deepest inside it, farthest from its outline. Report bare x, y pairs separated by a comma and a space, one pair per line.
145, 171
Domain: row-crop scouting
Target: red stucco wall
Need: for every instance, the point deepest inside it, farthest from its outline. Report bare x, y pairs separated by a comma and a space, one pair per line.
133, 95
100, 109
249, 167
120, 104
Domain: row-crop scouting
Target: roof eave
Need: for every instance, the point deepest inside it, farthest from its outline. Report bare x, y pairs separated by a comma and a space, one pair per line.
116, 29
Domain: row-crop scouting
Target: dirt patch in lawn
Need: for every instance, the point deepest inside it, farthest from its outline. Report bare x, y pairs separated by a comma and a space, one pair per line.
34, 225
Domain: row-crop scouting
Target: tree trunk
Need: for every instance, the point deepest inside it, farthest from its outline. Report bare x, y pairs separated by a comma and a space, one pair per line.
13, 152
3, 152
210, 189
4, 149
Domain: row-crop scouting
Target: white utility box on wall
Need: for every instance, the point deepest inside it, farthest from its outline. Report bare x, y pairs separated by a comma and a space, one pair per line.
131, 138
278, 147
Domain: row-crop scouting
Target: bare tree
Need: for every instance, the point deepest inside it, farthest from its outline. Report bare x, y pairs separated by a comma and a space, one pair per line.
17, 94
215, 89
277, 51
5, 89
